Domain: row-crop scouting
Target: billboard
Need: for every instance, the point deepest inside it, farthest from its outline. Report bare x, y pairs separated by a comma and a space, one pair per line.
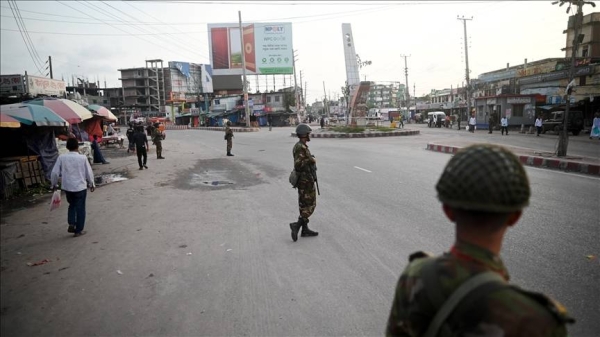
267, 48
190, 78
11, 85
45, 86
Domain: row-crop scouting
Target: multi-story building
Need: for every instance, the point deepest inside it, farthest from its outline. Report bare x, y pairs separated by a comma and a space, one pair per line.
144, 88
590, 44
383, 95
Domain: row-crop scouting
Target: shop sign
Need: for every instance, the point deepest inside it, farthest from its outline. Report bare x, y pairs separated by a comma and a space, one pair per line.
508, 113
490, 101
45, 86
518, 100
556, 75
258, 107
11, 84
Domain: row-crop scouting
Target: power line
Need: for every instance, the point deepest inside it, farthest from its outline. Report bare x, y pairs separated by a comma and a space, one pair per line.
24, 38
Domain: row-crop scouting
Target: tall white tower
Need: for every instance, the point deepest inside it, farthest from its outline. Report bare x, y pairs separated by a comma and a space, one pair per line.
352, 74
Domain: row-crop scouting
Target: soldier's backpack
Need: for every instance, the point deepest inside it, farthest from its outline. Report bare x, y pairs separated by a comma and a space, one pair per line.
294, 178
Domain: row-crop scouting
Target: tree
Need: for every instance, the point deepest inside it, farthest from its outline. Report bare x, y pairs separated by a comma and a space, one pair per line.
289, 100
563, 140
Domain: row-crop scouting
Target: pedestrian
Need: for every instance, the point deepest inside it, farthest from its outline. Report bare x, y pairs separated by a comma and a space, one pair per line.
472, 122
305, 167
458, 121
401, 120
141, 147
130, 133
76, 176
98, 157
483, 190
270, 121
322, 122
491, 121
504, 125
149, 129
229, 138
595, 132
538, 125
157, 138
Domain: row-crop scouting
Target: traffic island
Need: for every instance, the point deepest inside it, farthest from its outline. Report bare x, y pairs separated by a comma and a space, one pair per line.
360, 132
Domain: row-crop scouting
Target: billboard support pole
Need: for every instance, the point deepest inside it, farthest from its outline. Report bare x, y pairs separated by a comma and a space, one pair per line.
246, 107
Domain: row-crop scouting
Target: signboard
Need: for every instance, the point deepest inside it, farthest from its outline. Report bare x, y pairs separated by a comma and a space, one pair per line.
518, 100
190, 77
267, 48
508, 113
11, 84
556, 75
45, 86
490, 101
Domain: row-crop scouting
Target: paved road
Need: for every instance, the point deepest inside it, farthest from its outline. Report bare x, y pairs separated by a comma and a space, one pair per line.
203, 247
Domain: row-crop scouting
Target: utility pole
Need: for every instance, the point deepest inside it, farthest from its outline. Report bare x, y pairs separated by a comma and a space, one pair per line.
304, 91
406, 78
326, 107
50, 66
563, 137
295, 85
464, 20
246, 107
301, 91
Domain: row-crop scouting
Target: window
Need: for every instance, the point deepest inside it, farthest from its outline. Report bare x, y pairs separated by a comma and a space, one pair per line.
517, 110
277, 98
268, 99
585, 52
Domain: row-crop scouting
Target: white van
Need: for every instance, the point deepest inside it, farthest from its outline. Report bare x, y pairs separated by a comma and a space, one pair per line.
437, 117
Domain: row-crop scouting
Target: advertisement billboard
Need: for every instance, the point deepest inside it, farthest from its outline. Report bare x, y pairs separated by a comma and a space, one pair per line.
267, 48
188, 77
11, 85
45, 86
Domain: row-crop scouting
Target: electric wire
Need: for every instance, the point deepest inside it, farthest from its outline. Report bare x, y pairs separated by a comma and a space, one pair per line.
35, 53
24, 39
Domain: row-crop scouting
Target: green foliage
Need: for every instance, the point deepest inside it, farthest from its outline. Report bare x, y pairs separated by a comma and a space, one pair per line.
381, 128
288, 101
348, 129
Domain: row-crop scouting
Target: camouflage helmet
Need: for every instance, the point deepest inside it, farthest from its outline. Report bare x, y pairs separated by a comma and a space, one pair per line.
484, 177
303, 129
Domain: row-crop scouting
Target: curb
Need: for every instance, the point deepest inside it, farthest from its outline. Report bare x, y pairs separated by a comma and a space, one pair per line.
535, 161
216, 128
362, 135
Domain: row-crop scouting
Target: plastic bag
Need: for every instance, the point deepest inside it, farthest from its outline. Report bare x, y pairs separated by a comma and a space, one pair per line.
294, 178
56, 199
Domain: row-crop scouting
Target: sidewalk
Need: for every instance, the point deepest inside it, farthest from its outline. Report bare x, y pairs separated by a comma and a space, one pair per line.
530, 157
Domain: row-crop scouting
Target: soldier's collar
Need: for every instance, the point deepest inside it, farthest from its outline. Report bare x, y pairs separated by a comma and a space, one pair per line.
467, 251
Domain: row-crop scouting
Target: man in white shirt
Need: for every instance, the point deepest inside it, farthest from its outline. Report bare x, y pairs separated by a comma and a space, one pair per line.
504, 125
76, 176
472, 122
538, 125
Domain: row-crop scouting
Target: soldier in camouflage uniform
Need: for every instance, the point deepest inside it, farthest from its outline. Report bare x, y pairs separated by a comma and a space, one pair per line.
229, 138
157, 138
305, 166
483, 189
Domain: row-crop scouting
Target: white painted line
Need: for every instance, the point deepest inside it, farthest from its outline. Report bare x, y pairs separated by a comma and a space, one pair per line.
362, 169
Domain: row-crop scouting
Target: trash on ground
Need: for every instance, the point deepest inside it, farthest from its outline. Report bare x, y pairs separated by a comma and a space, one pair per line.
229, 249
39, 263
189, 253
590, 257
119, 272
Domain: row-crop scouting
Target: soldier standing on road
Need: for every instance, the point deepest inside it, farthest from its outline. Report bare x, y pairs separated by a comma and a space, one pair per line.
305, 166
157, 138
229, 138
483, 189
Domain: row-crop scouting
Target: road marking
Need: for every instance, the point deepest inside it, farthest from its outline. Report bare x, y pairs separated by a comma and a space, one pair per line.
362, 169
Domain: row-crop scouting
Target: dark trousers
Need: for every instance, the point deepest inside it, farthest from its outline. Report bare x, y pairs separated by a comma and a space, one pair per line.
76, 214
471, 128
142, 153
539, 130
505, 128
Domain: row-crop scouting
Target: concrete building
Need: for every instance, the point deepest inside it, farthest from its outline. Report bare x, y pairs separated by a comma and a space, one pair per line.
383, 95
590, 44
144, 88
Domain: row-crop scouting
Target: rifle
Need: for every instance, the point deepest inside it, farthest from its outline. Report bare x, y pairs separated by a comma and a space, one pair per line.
313, 172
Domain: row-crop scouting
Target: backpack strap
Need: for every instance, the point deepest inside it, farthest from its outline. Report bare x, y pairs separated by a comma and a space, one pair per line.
449, 305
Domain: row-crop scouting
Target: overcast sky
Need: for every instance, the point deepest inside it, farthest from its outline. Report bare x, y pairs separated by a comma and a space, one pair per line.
95, 38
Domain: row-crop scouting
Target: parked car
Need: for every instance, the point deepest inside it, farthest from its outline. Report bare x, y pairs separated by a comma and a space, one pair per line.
555, 122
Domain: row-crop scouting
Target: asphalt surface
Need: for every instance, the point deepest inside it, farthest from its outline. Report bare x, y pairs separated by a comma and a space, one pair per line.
199, 243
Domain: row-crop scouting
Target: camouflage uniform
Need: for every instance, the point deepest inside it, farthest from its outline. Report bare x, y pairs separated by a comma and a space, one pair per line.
505, 311
307, 196
483, 189
229, 138
157, 140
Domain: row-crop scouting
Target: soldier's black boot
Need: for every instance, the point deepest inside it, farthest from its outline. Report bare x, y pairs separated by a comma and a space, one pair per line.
229, 154
306, 232
295, 227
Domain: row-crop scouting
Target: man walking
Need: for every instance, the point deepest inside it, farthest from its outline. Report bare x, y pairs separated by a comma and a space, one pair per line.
157, 137
270, 121
76, 176
229, 138
472, 122
305, 167
491, 121
504, 125
483, 190
141, 147
538, 125
458, 121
